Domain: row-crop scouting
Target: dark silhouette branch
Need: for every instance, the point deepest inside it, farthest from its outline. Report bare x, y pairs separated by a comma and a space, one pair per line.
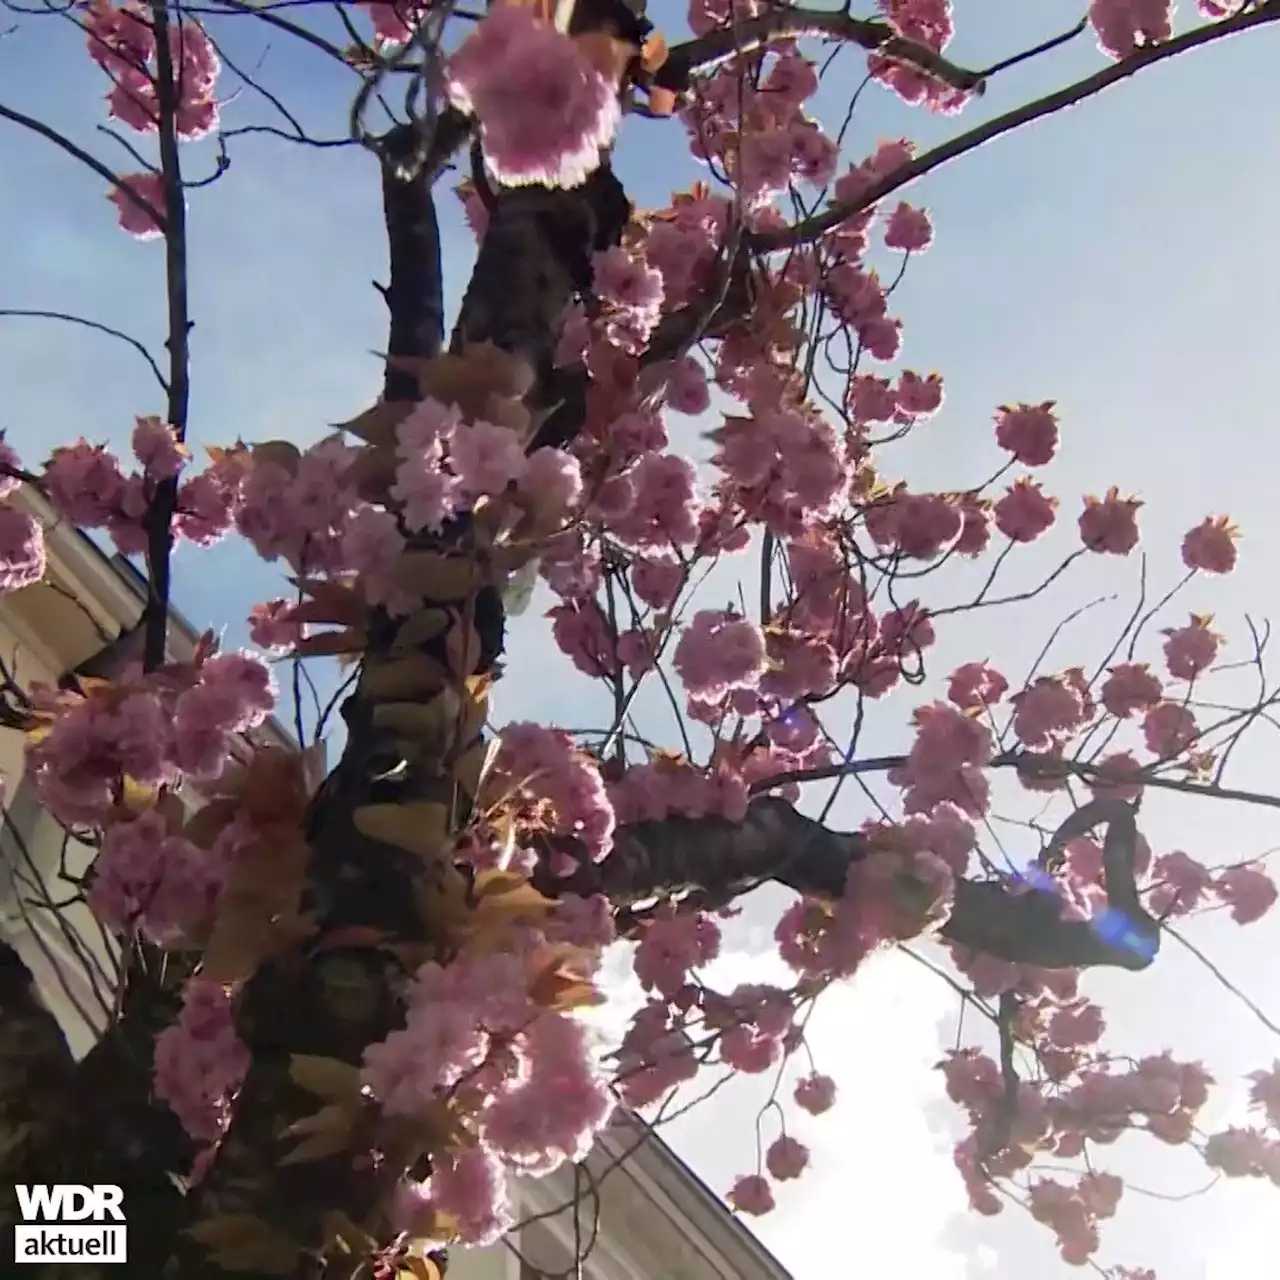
79, 153
97, 327
299, 32
1013, 922
115, 1130
159, 518
838, 211
534, 260
415, 292
686, 60
1033, 765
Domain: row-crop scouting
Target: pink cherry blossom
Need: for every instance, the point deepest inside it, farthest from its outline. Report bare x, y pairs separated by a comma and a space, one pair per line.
671, 946
633, 524
545, 112
923, 524
918, 397
143, 216
752, 1195
945, 762
1238, 1152
1181, 883
22, 553
1130, 687
394, 21
9, 463
1124, 26
200, 1061
1264, 1094
1248, 891
719, 651
1050, 706
145, 879
485, 458
1109, 525
1118, 774
1168, 729
870, 398
552, 481
1191, 650
687, 391
815, 1094
272, 626
1211, 546
786, 1158
469, 1185
1025, 511
156, 446
909, 229
1029, 432
660, 511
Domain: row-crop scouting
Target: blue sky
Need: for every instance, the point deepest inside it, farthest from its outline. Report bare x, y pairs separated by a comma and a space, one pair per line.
1120, 258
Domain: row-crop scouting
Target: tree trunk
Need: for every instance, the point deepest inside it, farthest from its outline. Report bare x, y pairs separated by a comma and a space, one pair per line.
336, 1001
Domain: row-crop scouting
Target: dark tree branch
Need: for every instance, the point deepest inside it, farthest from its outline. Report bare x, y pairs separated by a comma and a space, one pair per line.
534, 260
1031, 765
684, 61
813, 228
79, 153
777, 842
415, 294
97, 327
116, 1130
294, 29
159, 520
334, 1002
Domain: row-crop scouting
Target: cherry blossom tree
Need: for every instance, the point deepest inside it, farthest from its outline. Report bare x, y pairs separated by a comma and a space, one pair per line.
348, 1006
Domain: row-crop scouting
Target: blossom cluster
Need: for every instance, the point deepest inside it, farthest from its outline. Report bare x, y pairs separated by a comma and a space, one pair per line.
89, 486
122, 41
22, 551
557, 788
523, 1076
153, 730
200, 1061
545, 110
446, 464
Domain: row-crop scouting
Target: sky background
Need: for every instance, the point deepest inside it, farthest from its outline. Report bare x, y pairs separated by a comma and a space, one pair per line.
1120, 258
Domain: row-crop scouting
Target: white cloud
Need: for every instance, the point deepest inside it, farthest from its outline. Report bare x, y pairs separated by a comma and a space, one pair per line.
881, 1183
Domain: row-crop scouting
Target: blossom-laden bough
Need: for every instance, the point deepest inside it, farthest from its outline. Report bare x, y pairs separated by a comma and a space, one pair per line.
347, 1005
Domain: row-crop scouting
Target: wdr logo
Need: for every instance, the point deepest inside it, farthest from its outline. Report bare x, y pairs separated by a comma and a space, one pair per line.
54, 1226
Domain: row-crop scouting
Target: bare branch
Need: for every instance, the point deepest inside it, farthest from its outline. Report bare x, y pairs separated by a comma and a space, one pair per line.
160, 516
97, 327
65, 144
686, 60
1031, 764
415, 292
840, 211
